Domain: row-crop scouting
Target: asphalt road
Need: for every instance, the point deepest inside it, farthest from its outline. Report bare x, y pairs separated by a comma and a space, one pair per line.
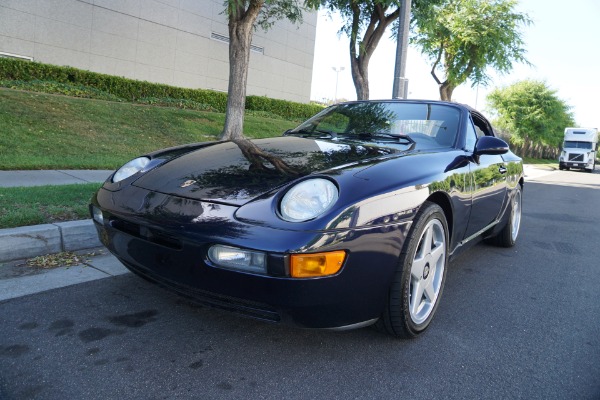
520, 323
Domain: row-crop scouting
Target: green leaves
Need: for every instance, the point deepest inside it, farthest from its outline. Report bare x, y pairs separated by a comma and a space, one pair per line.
531, 112
464, 38
270, 10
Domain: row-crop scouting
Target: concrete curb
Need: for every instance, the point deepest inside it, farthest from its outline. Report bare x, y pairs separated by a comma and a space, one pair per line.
37, 240
98, 267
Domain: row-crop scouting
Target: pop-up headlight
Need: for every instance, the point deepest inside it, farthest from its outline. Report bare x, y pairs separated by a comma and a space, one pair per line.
308, 199
131, 168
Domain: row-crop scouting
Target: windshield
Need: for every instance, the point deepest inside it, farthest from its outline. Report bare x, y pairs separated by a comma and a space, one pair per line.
571, 144
428, 125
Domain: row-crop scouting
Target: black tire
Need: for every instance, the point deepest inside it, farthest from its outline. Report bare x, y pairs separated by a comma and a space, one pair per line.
507, 237
398, 318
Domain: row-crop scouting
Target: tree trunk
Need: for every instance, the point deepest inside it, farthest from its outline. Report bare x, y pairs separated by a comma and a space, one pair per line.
446, 90
360, 76
361, 52
241, 23
240, 36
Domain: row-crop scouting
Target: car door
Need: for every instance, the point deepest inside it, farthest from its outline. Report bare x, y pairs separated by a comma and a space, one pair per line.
488, 180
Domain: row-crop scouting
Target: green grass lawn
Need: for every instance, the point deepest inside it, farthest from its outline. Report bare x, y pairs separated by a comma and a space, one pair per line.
541, 162
43, 131
20, 206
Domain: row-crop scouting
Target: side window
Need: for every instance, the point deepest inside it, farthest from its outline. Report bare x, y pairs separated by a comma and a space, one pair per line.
471, 137
481, 127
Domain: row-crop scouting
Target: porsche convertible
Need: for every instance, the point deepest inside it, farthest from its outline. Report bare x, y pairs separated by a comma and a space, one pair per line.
348, 220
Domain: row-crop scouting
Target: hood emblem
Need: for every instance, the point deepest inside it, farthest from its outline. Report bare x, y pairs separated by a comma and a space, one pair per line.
188, 183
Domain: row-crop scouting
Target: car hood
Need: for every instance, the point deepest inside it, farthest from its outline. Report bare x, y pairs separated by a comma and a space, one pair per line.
237, 172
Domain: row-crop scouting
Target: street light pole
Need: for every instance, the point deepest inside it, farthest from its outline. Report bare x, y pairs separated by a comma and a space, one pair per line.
400, 87
337, 75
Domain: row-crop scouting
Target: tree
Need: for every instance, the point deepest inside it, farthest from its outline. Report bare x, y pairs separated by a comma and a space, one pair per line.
463, 38
371, 18
532, 113
244, 17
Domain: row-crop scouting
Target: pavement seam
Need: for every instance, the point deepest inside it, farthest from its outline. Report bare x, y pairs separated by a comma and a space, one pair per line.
72, 176
87, 264
62, 239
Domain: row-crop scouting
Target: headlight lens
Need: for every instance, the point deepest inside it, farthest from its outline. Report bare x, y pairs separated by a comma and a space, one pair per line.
308, 199
131, 168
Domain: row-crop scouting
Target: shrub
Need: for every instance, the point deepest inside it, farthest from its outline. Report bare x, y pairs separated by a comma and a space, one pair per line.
60, 88
179, 103
142, 91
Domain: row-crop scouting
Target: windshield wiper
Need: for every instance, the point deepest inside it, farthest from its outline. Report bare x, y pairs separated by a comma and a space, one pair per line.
312, 133
402, 139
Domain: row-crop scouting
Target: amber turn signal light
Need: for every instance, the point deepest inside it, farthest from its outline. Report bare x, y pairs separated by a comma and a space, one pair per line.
316, 264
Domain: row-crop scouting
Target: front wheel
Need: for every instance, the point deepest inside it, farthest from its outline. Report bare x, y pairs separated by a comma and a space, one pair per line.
592, 169
419, 279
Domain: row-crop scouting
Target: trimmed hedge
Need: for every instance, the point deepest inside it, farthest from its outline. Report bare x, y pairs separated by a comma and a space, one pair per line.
134, 91
60, 88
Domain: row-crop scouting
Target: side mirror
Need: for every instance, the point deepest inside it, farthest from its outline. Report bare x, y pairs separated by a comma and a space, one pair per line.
490, 145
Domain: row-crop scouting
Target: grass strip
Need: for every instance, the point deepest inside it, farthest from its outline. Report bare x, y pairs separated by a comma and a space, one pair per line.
21, 206
44, 131
541, 162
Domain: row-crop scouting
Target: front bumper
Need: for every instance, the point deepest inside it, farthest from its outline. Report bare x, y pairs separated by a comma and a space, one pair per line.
165, 239
576, 164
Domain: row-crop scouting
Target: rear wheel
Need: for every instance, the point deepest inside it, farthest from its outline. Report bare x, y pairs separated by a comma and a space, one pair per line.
420, 275
507, 237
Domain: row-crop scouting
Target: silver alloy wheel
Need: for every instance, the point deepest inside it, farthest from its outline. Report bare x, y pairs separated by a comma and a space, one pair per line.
516, 216
427, 271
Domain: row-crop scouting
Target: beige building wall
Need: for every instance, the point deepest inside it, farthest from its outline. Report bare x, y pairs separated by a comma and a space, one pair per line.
176, 42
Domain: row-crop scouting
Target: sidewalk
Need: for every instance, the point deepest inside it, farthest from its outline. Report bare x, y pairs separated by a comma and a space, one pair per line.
51, 177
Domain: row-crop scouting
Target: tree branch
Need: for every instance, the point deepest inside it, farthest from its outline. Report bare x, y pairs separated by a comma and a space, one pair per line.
377, 26
355, 25
253, 10
435, 64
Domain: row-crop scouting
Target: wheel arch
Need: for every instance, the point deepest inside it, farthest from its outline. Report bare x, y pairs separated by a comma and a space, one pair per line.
443, 200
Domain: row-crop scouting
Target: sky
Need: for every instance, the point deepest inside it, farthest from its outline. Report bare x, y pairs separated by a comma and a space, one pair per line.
562, 43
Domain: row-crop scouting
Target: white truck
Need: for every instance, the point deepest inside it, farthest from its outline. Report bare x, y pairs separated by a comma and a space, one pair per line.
579, 149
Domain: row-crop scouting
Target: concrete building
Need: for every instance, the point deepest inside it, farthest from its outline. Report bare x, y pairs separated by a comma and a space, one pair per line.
176, 42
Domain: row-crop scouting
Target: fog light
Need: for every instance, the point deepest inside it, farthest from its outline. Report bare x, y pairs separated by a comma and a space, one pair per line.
97, 215
239, 259
316, 264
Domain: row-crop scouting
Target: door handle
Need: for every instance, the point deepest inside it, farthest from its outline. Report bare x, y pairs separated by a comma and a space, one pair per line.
502, 170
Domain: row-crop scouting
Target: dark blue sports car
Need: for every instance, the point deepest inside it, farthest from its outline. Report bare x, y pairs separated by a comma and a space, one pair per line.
348, 220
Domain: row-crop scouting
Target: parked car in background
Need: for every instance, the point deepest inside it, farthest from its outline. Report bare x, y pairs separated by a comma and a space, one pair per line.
350, 219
